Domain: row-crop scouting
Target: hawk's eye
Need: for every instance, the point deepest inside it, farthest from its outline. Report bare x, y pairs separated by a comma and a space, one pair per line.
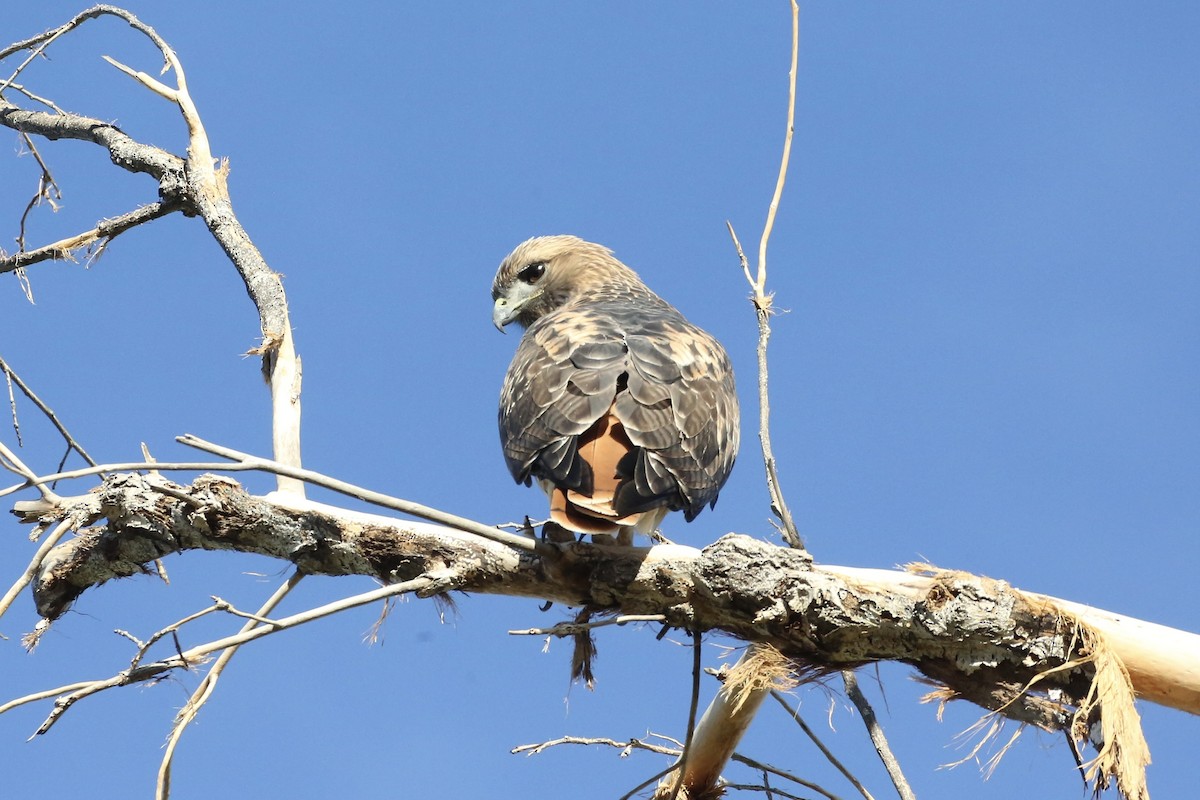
533, 273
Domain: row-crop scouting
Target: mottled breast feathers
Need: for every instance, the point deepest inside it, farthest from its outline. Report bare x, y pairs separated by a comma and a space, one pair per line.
616, 404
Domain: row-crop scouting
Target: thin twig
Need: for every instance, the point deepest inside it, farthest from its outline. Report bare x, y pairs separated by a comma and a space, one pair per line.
625, 747
564, 629
350, 490
771, 791
762, 307
761, 282
37, 45
105, 231
72, 444
638, 744
762, 767
877, 736
12, 462
47, 190
681, 768
70, 694
208, 685
245, 462
170, 630
12, 403
763, 304
36, 98
257, 618
128, 466
794, 713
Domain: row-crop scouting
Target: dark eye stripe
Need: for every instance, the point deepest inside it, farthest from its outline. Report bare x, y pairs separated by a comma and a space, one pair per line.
532, 273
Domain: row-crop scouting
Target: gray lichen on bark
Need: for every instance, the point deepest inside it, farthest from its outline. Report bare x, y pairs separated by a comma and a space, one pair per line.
975, 636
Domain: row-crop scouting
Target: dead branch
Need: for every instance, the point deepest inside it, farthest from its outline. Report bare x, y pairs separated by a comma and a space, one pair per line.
767, 769
725, 723
139, 671
13, 378
123, 150
631, 745
762, 300
625, 747
681, 777
1022, 656
208, 685
564, 629
727, 718
104, 232
247, 461
1029, 658
194, 185
875, 731
794, 713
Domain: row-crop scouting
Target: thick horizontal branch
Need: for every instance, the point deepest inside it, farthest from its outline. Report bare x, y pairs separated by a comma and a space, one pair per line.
149, 517
985, 641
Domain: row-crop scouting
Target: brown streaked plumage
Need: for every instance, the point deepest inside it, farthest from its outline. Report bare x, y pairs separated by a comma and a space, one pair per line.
618, 406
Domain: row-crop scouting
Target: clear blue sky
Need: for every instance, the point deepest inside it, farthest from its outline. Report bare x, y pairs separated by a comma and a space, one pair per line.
990, 260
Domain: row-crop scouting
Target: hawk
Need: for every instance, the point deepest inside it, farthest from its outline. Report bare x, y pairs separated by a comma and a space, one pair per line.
618, 406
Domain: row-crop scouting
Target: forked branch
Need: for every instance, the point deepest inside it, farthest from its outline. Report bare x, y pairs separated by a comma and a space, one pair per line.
725, 722
763, 301
195, 185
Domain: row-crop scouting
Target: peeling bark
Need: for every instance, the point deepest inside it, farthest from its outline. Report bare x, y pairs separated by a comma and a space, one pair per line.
981, 639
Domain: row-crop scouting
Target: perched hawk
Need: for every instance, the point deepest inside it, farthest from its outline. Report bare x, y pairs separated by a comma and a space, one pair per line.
618, 406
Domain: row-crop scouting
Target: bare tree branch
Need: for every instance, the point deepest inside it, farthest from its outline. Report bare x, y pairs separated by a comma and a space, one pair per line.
394, 503
763, 304
41, 405
207, 686
139, 671
767, 769
725, 722
123, 150
198, 187
104, 232
794, 713
563, 629
48, 191
629, 746
679, 778
875, 730
1026, 657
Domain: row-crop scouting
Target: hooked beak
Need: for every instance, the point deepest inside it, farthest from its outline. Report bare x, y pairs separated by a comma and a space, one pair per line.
503, 313
509, 305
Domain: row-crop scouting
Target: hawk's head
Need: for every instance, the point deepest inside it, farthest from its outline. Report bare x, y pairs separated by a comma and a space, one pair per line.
548, 272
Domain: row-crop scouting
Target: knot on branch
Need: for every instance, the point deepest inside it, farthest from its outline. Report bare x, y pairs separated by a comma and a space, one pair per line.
147, 516
175, 189
765, 583
959, 605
